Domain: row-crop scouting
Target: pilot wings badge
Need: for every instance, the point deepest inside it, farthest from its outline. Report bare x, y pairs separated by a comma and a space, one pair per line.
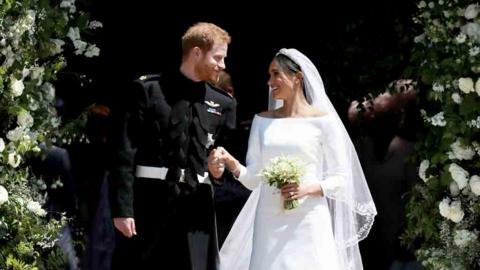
212, 104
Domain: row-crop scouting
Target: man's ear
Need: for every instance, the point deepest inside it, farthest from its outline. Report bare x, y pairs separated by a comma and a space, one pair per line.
196, 52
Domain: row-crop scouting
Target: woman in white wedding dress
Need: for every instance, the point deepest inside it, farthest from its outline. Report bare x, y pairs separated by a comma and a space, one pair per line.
336, 209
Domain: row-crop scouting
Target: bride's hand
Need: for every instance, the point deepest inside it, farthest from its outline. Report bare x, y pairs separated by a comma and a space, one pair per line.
232, 164
296, 191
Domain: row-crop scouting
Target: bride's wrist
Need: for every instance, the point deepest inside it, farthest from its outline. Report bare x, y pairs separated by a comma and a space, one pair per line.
315, 190
233, 166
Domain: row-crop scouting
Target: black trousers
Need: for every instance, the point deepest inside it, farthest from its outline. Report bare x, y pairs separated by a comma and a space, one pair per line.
174, 231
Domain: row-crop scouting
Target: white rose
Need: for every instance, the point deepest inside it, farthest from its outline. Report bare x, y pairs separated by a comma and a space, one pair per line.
461, 152
14, 160
80, 46
456, 98
472, 30
3, 195
462, 238
466, 85
55, 122
460, 38
15, 134
477, 87
444, 206
422, 4
454, 190
459, 175
49, 91
69, 4
58, 43
2, 145
24, 119
422, 170
92, 51
73, 33
474, 51
456, 213
475, 184
36, 208
16, 87
431, 5
472, 11
9, 56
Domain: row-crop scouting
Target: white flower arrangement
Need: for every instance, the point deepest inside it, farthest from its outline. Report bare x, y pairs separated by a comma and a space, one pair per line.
36, 39
447, 53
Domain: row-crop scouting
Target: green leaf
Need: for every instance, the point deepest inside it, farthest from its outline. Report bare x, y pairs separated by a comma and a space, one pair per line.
446, 178
469, 105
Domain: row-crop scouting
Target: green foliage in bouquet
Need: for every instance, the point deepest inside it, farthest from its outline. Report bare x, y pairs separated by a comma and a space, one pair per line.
284, 170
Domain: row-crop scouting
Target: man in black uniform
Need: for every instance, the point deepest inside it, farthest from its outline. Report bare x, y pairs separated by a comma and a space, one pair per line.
161, 197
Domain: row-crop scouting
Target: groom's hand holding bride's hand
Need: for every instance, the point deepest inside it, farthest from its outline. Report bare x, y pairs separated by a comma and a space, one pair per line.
296, 191
219, 158
216, 166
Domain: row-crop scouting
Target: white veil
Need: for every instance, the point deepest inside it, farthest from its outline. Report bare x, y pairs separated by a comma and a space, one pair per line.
352, 208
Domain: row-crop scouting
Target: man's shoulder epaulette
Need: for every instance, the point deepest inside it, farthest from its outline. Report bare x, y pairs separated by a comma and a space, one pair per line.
149, 77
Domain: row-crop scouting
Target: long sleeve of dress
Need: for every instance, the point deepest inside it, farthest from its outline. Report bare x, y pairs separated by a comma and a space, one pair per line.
249, 175
336, 155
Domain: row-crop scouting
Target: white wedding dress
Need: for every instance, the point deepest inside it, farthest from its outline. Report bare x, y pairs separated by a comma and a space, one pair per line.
267, 237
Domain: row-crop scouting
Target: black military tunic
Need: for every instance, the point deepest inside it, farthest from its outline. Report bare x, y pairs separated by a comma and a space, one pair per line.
169, 122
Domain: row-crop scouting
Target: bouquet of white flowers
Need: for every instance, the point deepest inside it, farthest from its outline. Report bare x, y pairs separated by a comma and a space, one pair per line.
284, 170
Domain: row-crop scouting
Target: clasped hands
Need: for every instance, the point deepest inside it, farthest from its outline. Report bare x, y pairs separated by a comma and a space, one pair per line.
220, 158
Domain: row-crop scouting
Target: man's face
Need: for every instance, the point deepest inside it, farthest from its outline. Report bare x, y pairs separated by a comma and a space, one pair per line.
211, 62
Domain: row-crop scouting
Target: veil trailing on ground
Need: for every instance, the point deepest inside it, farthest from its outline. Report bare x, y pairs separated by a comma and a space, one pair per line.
352, 208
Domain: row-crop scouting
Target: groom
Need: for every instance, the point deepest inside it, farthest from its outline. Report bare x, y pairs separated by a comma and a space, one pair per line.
161, 196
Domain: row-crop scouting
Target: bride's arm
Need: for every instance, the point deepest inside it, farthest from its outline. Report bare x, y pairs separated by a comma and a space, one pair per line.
248, 175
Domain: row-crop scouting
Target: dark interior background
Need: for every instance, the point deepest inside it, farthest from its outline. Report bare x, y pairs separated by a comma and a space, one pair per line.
358, 46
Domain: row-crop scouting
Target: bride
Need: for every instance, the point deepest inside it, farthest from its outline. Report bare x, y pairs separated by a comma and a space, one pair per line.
336, 209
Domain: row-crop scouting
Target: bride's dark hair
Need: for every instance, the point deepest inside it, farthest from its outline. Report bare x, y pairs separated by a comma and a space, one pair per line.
286, 64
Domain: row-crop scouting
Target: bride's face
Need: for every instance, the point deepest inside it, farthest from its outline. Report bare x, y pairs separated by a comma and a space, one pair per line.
280, 82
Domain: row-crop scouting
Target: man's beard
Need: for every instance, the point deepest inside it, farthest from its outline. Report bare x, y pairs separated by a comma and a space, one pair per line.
203, 74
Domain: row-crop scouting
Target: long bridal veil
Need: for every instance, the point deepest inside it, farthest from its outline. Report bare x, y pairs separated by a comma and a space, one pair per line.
352, 208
